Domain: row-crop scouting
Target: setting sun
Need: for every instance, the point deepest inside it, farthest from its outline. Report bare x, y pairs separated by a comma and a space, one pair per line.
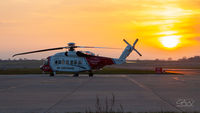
170, 41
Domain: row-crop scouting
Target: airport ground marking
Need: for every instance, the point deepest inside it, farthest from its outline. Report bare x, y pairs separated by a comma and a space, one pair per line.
154, 93
68, 95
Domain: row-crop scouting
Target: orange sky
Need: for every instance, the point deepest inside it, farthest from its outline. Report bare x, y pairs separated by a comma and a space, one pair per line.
27, 25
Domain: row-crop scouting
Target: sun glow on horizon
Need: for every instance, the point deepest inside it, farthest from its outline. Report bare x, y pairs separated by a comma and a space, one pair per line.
170, 41
162, 26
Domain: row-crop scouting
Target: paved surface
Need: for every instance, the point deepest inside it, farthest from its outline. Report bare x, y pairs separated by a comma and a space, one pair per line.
132, 93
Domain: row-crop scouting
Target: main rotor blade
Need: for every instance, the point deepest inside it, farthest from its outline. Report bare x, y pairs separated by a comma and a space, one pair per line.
51, 49
96, 47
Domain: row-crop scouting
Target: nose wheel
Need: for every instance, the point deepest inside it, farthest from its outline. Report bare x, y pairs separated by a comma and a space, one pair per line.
52, 74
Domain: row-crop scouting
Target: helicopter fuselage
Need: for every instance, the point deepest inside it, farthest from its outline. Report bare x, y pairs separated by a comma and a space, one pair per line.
73, 61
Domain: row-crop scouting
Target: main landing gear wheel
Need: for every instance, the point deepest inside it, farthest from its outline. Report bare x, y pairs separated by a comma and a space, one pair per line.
76, 75
90, 74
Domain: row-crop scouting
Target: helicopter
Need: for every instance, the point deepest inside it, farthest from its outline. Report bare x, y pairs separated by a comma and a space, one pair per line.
80, 61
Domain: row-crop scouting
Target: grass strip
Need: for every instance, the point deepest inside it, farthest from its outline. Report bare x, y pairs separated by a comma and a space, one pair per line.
103, 71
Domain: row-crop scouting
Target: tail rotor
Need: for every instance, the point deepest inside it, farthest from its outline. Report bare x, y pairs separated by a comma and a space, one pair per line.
129, 48
136, 49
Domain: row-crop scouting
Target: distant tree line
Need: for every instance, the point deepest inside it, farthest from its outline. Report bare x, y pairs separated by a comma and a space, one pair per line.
191, 59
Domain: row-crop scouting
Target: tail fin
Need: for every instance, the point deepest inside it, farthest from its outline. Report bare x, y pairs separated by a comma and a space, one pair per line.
128, 50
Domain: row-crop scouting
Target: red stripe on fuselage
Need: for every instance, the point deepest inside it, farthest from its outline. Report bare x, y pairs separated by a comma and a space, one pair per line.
46, 67
97, 62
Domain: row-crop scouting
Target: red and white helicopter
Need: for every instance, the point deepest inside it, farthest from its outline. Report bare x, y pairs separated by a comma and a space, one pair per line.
80, 61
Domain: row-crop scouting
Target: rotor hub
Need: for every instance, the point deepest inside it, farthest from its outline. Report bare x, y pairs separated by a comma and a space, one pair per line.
71, 44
